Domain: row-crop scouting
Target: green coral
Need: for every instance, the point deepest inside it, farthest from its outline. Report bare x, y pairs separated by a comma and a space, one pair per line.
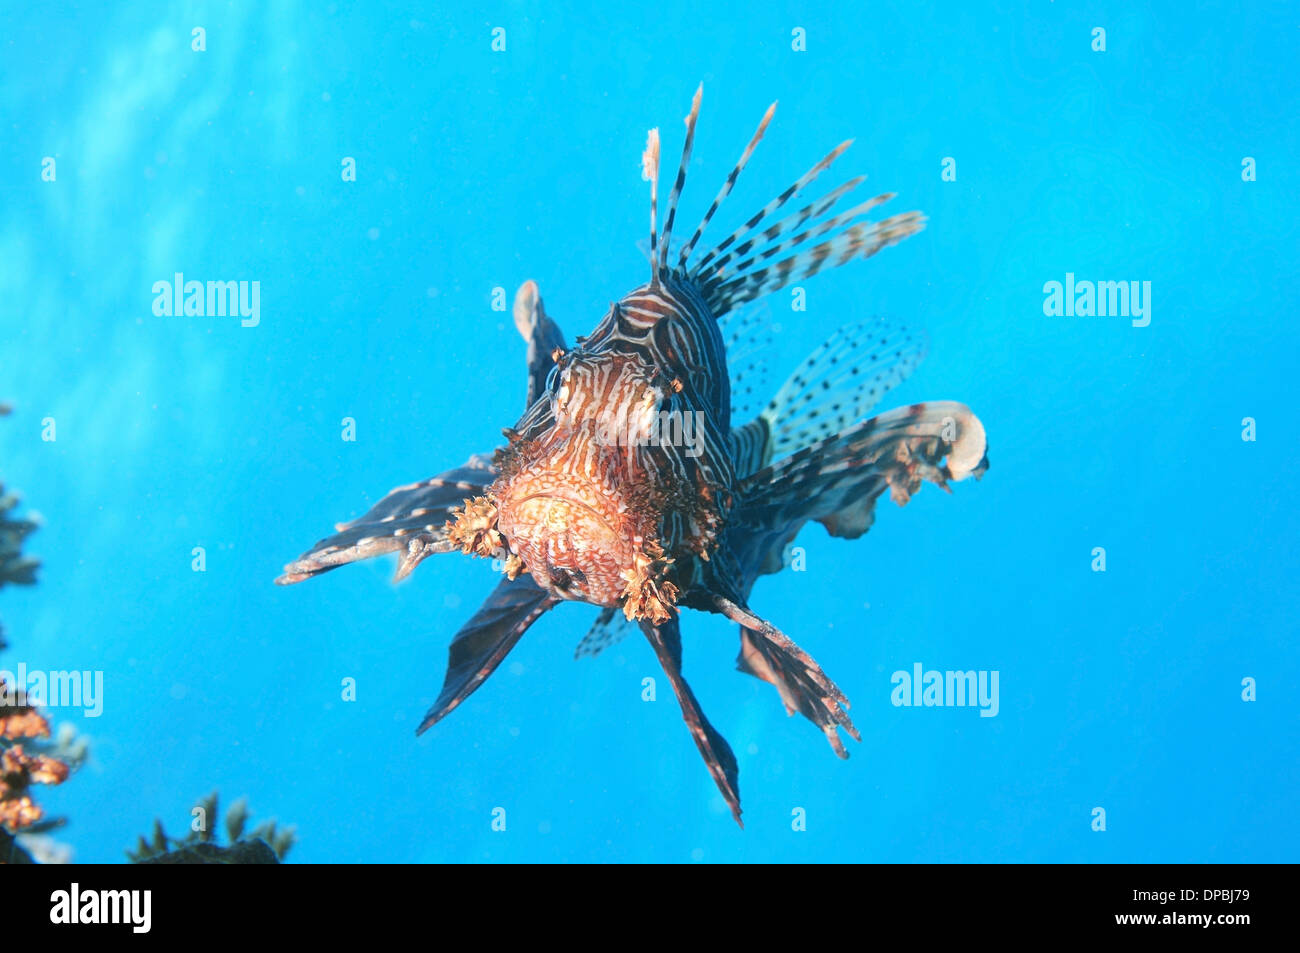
15, 568
33, 758
27, 758
266, 843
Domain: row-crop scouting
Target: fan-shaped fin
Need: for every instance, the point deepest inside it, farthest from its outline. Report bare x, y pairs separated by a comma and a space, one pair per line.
610, 627
747, 336
485, 640
409, 518
666, 640
769, 654
840, 382
837, 480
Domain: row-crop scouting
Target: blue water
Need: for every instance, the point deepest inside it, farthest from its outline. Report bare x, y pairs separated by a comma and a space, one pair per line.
478, 169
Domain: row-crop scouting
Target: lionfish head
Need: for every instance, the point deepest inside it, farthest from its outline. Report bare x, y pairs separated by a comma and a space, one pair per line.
580, 505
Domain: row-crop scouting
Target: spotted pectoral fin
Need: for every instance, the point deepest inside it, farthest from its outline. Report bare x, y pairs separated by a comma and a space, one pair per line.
410, 519
839, 383
769, 654
666, 640
543, 335
836, 481
747, 339
610, 627
485, 640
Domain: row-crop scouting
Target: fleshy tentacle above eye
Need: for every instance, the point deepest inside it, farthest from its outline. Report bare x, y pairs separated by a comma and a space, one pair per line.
543, 335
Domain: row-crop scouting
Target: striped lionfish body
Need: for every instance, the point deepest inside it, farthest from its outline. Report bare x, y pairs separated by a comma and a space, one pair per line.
625, 484
624, 468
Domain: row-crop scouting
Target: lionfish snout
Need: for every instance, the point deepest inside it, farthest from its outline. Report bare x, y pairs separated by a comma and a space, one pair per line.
574, 506
571, 536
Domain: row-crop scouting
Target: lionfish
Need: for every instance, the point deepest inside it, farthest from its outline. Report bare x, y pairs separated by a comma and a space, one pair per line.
626, 485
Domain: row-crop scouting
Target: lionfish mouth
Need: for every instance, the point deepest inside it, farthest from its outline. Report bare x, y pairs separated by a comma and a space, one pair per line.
567, 542
572, 546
